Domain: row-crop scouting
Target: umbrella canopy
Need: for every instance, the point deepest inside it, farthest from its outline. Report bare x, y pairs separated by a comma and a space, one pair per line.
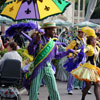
86, 23
34, 9
60, 22
5, 21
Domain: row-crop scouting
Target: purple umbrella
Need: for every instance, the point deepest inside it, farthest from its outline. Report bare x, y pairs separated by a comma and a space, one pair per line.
34, 9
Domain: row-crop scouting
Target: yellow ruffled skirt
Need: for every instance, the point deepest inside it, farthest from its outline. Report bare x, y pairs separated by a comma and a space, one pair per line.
87, 72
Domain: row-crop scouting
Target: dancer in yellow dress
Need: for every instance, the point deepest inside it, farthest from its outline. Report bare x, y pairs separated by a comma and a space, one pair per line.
88, 71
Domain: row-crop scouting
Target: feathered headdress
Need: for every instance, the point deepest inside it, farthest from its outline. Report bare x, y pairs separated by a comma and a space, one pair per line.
17, 28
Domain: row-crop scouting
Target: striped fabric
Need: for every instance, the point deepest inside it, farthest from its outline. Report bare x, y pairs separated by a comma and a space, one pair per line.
47, 74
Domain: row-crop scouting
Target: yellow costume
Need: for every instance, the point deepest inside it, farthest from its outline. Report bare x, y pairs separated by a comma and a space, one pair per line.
76, 44
88, 71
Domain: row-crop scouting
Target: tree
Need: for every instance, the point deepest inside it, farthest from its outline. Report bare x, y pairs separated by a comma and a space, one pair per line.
2, 4
96, 14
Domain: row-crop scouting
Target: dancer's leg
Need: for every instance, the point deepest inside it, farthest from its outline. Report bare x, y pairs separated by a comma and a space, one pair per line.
51, 84
97, 90
85, 90
35, 86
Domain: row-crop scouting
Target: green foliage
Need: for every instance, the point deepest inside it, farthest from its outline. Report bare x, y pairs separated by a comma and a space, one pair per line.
3, 52
96, 14
2, 5
20, 51
2, 2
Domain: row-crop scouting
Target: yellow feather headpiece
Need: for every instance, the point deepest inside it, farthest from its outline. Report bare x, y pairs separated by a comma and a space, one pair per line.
89, 31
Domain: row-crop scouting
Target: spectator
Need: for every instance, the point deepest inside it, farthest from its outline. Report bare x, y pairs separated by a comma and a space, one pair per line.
1, 44
12, 53
2, 37
61, 74
75, 44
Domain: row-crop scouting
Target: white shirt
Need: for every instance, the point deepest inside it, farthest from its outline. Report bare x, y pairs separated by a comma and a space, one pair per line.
11, 55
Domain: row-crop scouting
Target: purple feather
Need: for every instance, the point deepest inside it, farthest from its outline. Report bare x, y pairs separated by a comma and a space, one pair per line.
73, 63
17, 28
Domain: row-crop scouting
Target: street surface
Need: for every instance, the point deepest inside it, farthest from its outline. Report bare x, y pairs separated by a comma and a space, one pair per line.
63, 93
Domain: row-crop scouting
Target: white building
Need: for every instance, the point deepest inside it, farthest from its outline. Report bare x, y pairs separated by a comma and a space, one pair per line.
71, 14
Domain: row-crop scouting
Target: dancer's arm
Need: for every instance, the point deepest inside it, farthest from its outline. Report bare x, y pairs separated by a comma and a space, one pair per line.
34, 44
26, 36
71, 45
59, 55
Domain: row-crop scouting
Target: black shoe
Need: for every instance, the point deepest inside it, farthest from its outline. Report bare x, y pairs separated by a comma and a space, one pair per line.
48, 97
42, 85
76, 88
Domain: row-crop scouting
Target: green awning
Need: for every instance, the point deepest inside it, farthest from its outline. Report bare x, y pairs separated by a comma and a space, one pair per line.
5, 21
86, 23
60, 22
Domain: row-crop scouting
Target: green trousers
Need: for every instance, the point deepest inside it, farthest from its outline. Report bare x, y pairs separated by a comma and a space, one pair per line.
47, 74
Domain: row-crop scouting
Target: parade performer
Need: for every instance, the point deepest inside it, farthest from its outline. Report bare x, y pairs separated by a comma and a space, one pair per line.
75, 44
88, 71
98, 44
44, 49
61, 74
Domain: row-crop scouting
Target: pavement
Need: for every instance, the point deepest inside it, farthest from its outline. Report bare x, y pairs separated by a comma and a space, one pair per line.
43, 93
